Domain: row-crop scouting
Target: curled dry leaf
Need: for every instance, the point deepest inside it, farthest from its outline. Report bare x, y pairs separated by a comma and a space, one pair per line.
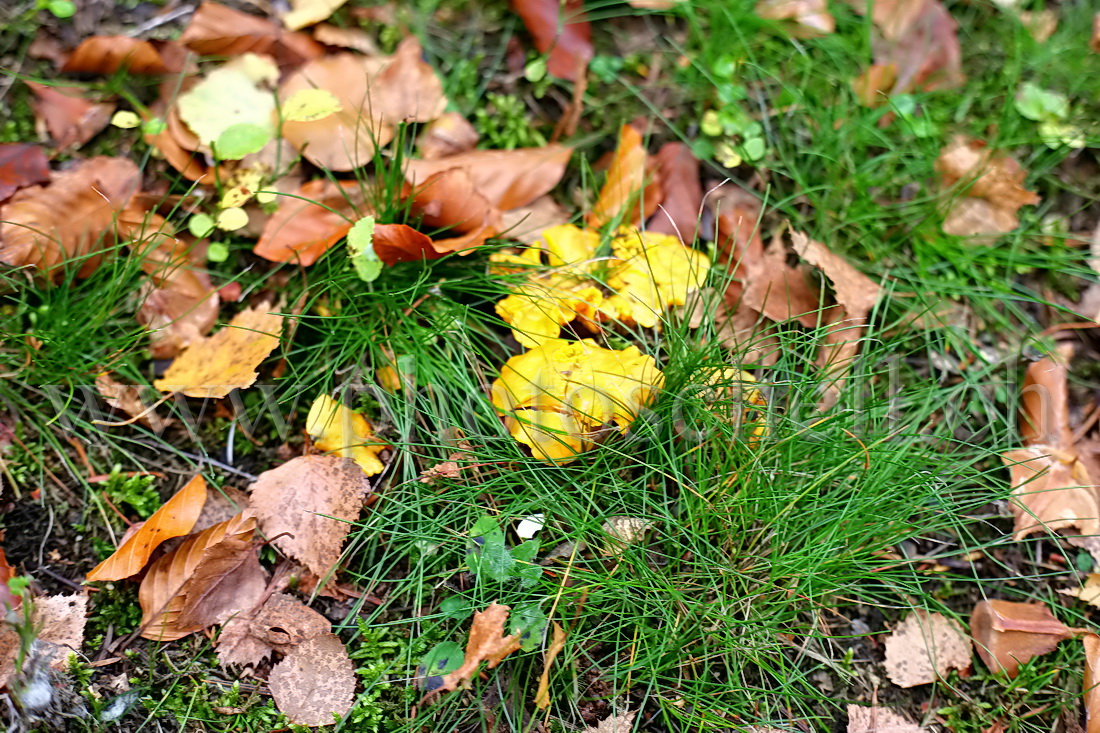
279, 625
179, 305
449, 135
779, 291
342, 431
226, 361
21, 165
808, 18
354, 38
375, 94
1044, 405
395, 243
450, 200
1089, 592
925, 647
315, 683
917, 39
626, 195
108, 54
682, 206
487, 643
60, 621
557, 643
216, 30
208, 578
560, 28
1091, 681
1008, 634
70, 119
992, 192
309, 222
69, 220
174, 519
307, 505
622, 723
622, 532
874, 719
127, 398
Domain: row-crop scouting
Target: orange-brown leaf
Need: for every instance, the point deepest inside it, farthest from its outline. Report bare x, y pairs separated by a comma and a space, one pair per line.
992, 188
1051, 490
1044, 405
280, 624
1091, 680
308, 223
21, 165
68, 221
174, 519
679, 212
209, 577
918, 39
626, 193
448, 135
806, 18
450, 200
315, 680
226, 361
487, 643
216, 30
70, 119
506, 179
127, 399
179, 305
395, 243
108, 54
782, 292
568, 38
307, 505
1007, 634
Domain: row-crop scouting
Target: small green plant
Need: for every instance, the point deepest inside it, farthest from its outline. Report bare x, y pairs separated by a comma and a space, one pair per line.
60, 9
503, 123
1051, 110
137, 491
489, 556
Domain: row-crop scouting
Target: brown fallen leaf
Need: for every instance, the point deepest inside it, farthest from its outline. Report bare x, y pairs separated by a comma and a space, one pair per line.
622, 532
179, 304
355, 39
682, 206
918, 39
127, 398
991, 192
108, 54
216, 30
806, 18
69, 118
68, 221
1041, 24
560, 28
222, 503
1090, 682
1008, 634
1089, 592
208, 578
226, 361
924, 648
449, 135
307, 505
375, 94
60, 622
315, 683
174, 519
304, 13
557, 643
309, 222
282, 623
626, 194
21, 165
8, 600
487, 643
395, 243
1094, 44
450, 201
781, 292
1044, 405
872, 87
526, 223
622, 723
873, 719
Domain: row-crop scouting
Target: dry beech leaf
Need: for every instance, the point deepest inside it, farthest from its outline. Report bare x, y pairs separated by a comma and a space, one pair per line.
127, 399
21, 165
179, 304
557, 643
216, 30
280, 624
1089, 592
174, 519
226, 361
992, 189
1090, 682
506, 179
682, 206
354, 38
314, 682
222, 503
1044, 405
626, 193
395, 243
308, 12
450, 200
622, 532
1094, 44
449, 135
70, 219
1051, 490
808, 18
175, 143
874, 719
487, 643
567, 37
375, 94
310, 501
209, 577
917, 39
925, 647
308, 223
781, 292
526, 223
108, 54
60, 622
622, 723
70, 119
1008, 634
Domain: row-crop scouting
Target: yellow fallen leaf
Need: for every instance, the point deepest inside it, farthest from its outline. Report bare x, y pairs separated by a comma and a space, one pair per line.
309, 12
232, 219
346, 433
306, 105
1089, 592
215, 366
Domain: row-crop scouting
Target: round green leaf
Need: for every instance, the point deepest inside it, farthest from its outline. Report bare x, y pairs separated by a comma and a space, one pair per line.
200, 225
240, 140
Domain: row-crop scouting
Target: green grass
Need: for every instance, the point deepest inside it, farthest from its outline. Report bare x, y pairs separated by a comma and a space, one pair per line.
743, 597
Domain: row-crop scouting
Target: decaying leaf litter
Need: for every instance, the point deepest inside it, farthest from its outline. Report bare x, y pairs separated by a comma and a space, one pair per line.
267, 123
